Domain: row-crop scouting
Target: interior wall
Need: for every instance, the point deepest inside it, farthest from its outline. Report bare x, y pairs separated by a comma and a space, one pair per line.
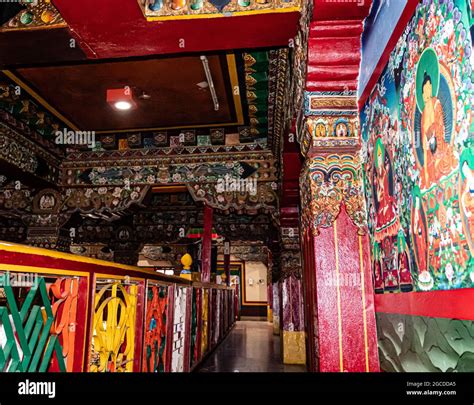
254, 289
255, 279
418, 150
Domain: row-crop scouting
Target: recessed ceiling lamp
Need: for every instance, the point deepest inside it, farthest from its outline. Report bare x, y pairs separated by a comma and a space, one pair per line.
121, 99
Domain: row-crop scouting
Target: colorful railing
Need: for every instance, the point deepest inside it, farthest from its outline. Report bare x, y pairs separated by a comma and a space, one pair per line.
62, 312
155, 10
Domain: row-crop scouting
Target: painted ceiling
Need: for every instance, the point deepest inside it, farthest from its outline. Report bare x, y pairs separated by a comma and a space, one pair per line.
175, 100
177, 111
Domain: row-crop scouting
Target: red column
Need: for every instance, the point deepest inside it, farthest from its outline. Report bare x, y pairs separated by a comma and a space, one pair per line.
206, 245
342, 302
227, 261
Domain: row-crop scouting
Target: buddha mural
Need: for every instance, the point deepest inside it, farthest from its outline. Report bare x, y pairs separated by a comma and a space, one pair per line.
320, 130
341, 129
433, 121
387, 221
47, 202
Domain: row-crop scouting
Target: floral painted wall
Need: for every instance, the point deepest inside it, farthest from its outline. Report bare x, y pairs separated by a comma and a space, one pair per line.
418, 133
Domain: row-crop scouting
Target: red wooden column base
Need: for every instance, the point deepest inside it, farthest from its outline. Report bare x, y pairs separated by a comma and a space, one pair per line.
339, 299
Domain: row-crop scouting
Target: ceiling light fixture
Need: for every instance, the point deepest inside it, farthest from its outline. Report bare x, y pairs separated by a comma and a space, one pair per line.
121, 99
123, 105
207, 71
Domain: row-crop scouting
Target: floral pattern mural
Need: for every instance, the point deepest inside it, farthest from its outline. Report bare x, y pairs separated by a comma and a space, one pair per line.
418, 148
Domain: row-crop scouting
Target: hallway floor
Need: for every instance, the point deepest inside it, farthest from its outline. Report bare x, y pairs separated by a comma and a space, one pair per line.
249, 347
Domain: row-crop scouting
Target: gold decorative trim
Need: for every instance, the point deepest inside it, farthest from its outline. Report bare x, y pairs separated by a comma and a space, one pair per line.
332, 103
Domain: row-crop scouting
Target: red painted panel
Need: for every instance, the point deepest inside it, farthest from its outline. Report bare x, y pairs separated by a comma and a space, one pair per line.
457, 304
339, 28
107, 29
351, 295
334, 51
344, 312
328, 335
342, 72
357, 304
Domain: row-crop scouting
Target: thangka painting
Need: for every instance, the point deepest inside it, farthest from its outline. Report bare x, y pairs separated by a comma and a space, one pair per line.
418, 151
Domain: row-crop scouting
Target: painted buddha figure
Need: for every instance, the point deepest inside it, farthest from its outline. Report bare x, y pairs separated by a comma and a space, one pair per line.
438, 157
386, 216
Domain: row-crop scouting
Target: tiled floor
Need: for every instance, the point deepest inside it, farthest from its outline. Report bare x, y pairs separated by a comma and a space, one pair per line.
250, 347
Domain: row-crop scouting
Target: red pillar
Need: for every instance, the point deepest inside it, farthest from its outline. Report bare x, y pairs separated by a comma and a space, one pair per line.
206, 246
227, 261
341, 298
339, 302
